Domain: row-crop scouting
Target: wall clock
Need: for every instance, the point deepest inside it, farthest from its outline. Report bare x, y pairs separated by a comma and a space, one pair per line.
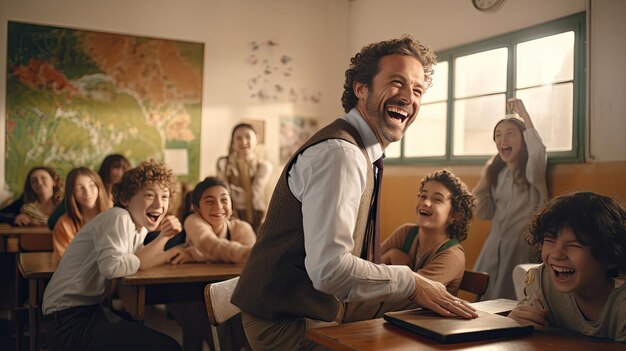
487, 5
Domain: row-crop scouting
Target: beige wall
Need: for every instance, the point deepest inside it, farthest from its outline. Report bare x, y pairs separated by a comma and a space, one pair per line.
444, 24
312, 32
607, 81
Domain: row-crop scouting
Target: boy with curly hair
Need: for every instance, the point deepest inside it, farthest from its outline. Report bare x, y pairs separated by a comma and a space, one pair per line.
580, 285
111, 246
444, 211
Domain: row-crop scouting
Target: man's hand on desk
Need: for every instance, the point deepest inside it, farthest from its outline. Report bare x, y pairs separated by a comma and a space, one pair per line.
434, 296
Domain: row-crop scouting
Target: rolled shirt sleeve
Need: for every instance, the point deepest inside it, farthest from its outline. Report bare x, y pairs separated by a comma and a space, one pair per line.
329, 185
115, 247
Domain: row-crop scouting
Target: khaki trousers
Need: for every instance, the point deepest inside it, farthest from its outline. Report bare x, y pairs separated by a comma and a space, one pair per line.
288, 333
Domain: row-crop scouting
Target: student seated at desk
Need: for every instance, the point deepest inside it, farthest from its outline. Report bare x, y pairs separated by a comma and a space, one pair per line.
212, 235
85, 197
580, 285
42, 194
107, 247
431, 246
111, 170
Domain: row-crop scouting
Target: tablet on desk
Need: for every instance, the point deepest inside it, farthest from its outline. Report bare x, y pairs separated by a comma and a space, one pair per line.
455, 329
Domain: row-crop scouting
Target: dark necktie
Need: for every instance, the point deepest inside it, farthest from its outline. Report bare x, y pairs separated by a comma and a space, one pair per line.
371, 242
378, 186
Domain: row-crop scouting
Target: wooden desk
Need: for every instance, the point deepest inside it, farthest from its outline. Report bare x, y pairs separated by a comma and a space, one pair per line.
14, 235
171, 283
377, 335
14, 240
38, 268
162, 284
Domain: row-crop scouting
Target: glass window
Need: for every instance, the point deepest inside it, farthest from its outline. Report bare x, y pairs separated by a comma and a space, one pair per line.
481, 73
546, 60
426, 137
474, 120
542, 65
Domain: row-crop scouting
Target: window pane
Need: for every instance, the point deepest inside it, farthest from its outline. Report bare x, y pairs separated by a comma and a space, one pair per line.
546, 60
551, 109
438, 91
393, 150
474, 120
427, 135
481, 73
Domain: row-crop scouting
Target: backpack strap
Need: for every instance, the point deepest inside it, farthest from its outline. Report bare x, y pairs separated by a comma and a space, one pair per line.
408, 241
448, 243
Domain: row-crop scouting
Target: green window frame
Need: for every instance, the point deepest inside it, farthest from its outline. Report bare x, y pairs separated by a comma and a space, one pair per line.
399, 153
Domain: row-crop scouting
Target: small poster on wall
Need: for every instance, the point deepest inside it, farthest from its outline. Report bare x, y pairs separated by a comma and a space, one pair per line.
74, 96
294, 132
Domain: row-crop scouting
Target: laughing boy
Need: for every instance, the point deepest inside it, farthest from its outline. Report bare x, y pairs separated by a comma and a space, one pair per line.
111, 246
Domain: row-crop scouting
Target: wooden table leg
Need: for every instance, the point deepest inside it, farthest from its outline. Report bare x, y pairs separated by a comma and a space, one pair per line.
134, 299
33, 301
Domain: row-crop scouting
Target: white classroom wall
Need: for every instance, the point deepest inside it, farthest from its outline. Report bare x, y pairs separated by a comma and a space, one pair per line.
312, 32
321, 36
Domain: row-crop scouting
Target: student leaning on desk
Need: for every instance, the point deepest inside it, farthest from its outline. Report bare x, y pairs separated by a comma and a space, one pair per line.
107, 247
580, 285
43, 191
212, 235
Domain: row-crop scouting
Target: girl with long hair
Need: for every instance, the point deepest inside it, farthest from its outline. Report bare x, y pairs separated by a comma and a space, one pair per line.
511, 187
42, 194
111, 171
85, 197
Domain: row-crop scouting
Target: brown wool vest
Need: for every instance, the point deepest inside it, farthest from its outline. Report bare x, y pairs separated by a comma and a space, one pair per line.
274, 283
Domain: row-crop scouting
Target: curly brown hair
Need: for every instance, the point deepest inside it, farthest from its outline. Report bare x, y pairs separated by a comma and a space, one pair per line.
147, 173
462, 202
364, 65
598, 222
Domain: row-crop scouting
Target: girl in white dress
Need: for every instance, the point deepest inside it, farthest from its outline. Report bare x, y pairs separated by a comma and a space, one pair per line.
511, 187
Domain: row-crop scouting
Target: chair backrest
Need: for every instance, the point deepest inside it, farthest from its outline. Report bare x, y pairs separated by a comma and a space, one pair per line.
217, 298
519, 276
475, 283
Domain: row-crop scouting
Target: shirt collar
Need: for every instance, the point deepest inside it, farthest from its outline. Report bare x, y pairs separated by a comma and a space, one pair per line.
372, 146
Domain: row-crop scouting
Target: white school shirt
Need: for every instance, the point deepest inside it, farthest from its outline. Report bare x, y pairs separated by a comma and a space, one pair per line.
329, 178
102, 249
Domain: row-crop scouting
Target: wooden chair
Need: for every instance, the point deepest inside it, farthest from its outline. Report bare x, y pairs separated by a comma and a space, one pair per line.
475, 283
218, 306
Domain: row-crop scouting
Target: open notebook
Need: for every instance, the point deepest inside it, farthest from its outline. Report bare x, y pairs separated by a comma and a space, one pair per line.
452, 330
